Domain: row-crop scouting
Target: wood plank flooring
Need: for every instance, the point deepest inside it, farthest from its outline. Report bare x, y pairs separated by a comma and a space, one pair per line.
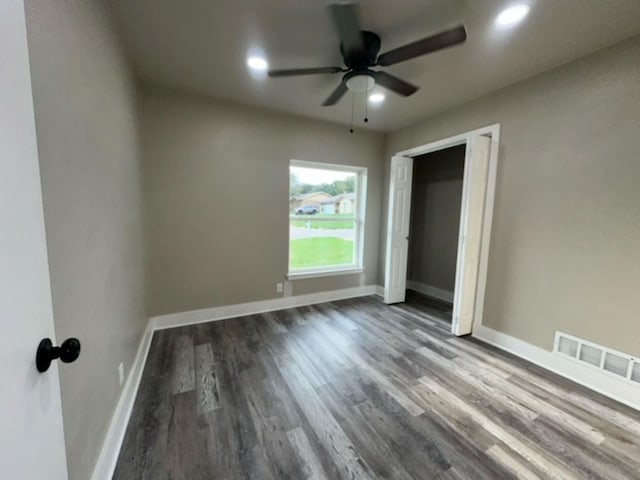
356, 389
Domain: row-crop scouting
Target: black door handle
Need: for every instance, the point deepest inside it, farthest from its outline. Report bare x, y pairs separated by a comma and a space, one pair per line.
67, 352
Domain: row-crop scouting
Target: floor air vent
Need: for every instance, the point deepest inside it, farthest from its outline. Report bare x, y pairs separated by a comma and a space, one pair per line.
599, 357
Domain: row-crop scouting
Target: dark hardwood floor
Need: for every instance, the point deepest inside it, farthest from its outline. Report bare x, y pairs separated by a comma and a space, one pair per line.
357, 389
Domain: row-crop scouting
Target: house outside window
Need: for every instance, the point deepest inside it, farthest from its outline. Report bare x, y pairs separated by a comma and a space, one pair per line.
326, 218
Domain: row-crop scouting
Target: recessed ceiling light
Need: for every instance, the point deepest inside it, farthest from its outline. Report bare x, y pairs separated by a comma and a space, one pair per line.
376, 98
512, 15
257, 64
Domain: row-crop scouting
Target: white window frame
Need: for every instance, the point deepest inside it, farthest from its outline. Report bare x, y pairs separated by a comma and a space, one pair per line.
359, 214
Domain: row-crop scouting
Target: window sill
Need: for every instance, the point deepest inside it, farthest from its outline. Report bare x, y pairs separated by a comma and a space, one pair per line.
324, 273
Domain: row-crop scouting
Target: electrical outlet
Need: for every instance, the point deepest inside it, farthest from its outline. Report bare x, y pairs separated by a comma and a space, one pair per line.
121, 373
279, 287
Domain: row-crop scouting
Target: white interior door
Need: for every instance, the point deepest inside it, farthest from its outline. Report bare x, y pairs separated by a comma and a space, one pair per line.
395, 281
31, 435
470, 236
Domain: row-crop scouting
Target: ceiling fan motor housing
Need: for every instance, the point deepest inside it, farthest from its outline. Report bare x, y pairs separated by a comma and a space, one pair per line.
362, 58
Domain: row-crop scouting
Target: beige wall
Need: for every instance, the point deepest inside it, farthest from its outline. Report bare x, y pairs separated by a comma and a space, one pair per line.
216, 182
564, 252
86, 129
435, 217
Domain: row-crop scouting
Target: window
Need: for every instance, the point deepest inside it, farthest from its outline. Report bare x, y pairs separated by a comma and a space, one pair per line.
326, 218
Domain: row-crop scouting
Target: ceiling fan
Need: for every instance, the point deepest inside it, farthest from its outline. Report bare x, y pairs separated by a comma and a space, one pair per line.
359, 49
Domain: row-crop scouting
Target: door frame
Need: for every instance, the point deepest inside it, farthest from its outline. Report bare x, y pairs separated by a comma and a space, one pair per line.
493, 132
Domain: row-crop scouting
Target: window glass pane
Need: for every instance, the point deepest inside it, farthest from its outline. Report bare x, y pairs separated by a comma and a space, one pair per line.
322, 218
316, 244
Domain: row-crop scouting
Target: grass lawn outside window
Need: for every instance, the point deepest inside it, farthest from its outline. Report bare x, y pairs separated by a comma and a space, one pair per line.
320, 252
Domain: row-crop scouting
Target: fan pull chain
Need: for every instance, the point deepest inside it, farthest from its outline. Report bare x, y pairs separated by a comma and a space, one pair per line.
366, 118
352, 101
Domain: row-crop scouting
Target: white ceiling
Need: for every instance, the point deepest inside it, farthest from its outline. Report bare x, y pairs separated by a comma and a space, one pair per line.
202, 46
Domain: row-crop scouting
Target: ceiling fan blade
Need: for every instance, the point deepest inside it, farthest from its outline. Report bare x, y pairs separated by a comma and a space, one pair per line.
430, 44
395, 84
302, 71
336, 95
345, 17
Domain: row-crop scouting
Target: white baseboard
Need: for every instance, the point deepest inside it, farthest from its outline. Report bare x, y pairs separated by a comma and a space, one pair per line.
106, 463
230, 311
379, 291
607, 385
431, 291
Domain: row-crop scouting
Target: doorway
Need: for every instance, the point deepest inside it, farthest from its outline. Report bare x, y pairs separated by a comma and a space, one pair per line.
436, 200
476, 213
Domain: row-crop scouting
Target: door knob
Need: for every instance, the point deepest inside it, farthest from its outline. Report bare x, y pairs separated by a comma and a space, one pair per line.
67, 352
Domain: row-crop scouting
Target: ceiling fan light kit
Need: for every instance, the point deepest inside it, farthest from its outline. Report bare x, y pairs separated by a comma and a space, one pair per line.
359, 49
359, 82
